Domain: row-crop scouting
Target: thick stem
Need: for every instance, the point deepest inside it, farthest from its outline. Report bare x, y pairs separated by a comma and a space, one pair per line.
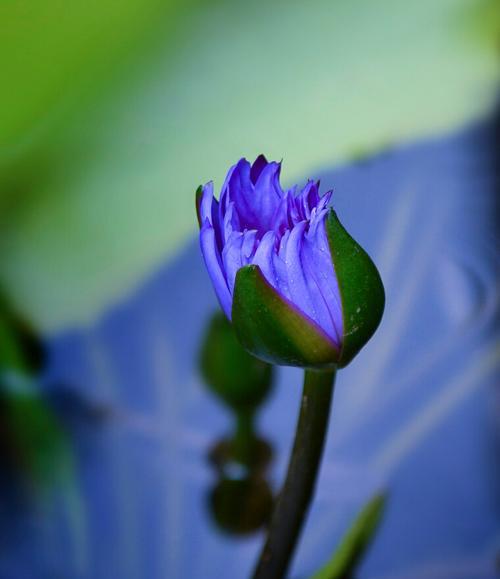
293, 502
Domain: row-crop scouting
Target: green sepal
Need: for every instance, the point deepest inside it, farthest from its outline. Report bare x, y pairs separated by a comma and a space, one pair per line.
199, 194
361, 289
272, 329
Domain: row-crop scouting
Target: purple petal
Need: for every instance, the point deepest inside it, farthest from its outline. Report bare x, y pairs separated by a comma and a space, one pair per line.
225, 196
214, 267
281, 219
207, 200
269, 181
249, 246
232, 257
297, 283
231, 223
318, 258
324, 201
241, 193
264, 257
308, 288
294, 214
280, 267
267, 196
225, 185
308, 199
258, 165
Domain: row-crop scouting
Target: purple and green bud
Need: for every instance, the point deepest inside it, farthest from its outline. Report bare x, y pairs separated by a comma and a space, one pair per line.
296, 286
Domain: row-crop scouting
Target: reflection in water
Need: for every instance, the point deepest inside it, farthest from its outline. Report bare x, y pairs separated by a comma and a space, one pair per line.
29, 434
241, 500
34, 449
41, 428
20, 347
241, 506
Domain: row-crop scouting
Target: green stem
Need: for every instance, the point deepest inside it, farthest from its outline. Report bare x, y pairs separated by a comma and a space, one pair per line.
244, 437
293, 502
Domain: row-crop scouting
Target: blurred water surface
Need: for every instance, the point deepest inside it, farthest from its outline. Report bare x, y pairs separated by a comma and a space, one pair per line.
416, 413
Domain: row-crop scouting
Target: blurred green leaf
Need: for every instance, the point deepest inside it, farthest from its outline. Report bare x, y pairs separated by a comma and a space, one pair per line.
53, 52
355, 543
93, 202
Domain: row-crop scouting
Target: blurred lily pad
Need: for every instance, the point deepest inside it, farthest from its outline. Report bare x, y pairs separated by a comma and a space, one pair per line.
53, 53
103, 197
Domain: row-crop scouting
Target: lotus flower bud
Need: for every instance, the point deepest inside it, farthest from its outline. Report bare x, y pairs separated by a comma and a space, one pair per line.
296, 286
240, 380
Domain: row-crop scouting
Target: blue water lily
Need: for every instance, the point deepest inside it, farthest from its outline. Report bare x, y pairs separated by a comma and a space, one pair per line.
278, 260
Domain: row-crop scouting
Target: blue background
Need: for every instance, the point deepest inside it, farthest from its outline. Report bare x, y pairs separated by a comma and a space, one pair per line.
417, 413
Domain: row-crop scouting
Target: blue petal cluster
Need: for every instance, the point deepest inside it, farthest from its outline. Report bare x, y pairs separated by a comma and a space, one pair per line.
282, 232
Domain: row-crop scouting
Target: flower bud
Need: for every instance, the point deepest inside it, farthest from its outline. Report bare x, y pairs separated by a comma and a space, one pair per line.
296, 286
240, 380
